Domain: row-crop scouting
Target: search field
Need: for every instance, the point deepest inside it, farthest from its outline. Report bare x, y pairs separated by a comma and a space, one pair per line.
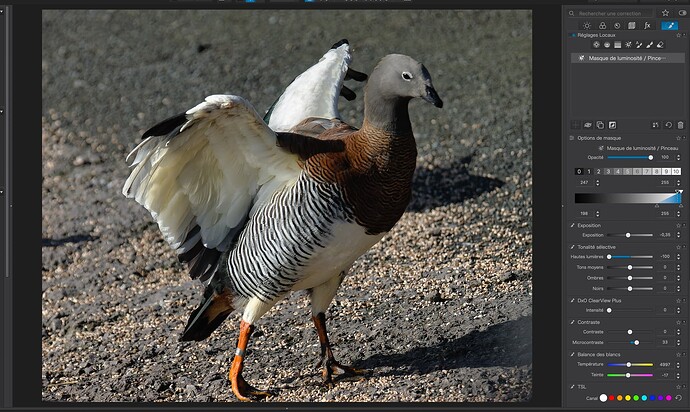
591, 13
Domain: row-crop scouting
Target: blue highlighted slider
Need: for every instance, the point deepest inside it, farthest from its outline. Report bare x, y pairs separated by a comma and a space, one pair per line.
643, 157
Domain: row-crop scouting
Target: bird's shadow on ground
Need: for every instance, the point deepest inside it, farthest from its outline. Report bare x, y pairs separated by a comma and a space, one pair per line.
448, 184
507, 344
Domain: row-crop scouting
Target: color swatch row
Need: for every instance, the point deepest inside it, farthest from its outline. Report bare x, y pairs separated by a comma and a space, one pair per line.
604, 397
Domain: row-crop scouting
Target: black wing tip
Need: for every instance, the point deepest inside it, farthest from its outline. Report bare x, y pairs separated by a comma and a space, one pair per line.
167, 126
347, 93
340, 43
204, 264
355, 75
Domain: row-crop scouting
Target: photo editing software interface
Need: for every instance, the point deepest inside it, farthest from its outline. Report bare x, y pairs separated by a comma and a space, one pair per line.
447, 204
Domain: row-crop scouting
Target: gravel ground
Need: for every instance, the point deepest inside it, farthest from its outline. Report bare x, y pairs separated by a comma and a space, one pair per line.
439, 310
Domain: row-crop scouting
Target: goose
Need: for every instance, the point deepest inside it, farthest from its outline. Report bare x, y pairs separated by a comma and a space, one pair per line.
257, 214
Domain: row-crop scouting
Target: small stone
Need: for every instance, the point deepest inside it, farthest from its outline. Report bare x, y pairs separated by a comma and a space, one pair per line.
507, 277
434, 297
190, 390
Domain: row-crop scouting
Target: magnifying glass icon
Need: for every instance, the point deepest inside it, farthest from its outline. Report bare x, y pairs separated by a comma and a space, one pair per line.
571, 13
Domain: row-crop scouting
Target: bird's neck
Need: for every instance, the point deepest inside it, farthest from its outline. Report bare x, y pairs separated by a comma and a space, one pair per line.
387, 114
382, 158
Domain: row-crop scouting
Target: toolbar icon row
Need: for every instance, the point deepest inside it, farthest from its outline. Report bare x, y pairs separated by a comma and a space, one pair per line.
669, 12
620, 25
667, 124
594, 124
628, 44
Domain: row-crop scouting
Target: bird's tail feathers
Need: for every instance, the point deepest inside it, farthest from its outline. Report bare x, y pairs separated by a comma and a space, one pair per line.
215, 307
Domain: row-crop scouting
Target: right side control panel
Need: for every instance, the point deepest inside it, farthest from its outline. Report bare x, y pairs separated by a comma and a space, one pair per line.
625, 199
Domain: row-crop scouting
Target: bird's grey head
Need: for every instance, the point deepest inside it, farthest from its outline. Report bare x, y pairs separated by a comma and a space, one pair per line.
401, 76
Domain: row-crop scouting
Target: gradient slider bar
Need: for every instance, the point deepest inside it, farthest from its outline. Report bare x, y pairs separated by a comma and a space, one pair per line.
629, 331
629, 257
632, 288
635, 342
630, 277
610, 310
630, 198
630, 364
628, 234
641, 157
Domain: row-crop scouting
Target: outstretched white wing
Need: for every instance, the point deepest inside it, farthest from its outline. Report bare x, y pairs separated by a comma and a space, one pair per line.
315, 92
202, 179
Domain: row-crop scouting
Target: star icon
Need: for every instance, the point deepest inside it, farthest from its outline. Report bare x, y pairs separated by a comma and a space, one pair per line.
664, 13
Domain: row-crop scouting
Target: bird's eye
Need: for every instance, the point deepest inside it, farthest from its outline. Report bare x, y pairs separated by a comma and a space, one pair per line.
407, 76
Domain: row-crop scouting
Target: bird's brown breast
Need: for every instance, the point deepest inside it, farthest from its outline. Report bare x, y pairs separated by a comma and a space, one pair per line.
374, 172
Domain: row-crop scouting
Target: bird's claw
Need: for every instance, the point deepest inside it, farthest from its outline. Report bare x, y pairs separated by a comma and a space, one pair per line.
334, 372
247, 393
254, 394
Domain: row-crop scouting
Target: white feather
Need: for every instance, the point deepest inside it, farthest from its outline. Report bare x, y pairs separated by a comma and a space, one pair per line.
322, 295
313, 93
348, 242
255, 309
210, 173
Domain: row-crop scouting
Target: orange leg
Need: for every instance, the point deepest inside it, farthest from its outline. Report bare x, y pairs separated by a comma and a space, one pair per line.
243, 390
332, 369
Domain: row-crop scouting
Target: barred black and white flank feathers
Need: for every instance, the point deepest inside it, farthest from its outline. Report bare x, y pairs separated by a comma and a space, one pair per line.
161, 181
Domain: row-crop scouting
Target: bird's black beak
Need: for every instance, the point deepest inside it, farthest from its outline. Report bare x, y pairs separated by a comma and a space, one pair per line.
432, 97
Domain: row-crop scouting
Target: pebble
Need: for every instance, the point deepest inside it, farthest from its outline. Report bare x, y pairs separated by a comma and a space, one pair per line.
190, 390
434, 297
